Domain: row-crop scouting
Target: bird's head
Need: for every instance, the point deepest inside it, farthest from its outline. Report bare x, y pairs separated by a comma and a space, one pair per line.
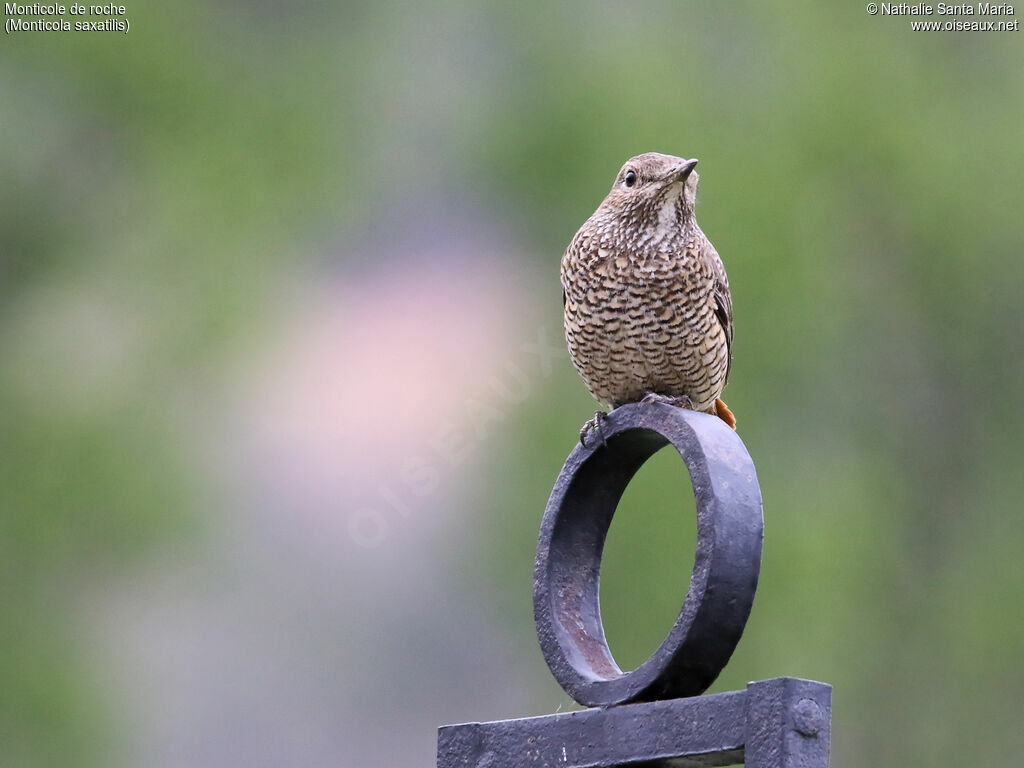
654, 190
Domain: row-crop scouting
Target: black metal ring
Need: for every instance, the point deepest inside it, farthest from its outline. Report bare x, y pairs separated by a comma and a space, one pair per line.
730, 528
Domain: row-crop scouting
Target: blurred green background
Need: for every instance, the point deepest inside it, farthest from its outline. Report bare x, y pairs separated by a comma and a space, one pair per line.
283, 393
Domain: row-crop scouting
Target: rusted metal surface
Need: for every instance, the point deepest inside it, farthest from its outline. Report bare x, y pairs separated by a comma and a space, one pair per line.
729, 532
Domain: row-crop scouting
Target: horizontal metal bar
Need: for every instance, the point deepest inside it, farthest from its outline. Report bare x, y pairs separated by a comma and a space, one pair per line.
710, 728
785, 721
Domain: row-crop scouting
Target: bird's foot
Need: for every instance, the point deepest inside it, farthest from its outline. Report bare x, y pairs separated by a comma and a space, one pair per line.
680, 401
592, 425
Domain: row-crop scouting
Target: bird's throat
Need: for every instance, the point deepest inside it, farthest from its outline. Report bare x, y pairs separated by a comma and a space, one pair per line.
670, 214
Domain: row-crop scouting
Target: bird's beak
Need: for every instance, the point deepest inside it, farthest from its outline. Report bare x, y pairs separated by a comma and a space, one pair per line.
684, 171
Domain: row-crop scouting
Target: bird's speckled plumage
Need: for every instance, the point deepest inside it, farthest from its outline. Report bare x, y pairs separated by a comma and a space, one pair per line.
647, 302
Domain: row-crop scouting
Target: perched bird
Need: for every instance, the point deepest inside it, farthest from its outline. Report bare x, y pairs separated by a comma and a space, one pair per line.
648, 313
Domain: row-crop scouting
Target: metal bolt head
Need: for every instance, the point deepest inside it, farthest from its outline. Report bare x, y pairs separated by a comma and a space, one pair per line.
807, 717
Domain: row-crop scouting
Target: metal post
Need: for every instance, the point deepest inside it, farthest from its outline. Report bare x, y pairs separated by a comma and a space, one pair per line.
654, 714
789, 724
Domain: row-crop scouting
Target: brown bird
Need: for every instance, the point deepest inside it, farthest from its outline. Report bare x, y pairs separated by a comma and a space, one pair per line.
648, 313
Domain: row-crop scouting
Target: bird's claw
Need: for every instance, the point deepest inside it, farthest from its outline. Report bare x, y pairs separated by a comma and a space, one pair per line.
680, 401
590, 426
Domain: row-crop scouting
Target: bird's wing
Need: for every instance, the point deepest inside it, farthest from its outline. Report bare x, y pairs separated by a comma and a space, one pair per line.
723, 300
723, 310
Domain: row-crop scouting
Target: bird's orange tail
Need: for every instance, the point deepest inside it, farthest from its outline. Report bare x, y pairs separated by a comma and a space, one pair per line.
722, 411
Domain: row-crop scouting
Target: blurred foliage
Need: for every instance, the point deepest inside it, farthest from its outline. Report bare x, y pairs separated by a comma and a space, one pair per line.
151, 185
862, 183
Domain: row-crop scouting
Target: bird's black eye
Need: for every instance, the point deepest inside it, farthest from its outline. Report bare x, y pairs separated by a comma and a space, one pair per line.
630, 178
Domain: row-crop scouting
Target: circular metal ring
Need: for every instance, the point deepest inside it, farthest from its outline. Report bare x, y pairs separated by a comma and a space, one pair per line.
730, 528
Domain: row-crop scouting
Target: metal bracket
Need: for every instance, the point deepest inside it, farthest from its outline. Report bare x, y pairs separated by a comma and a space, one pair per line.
730, 528
652, 716
779, 723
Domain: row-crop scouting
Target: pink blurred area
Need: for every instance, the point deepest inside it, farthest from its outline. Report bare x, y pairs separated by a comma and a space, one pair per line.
381, 371
331, 604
